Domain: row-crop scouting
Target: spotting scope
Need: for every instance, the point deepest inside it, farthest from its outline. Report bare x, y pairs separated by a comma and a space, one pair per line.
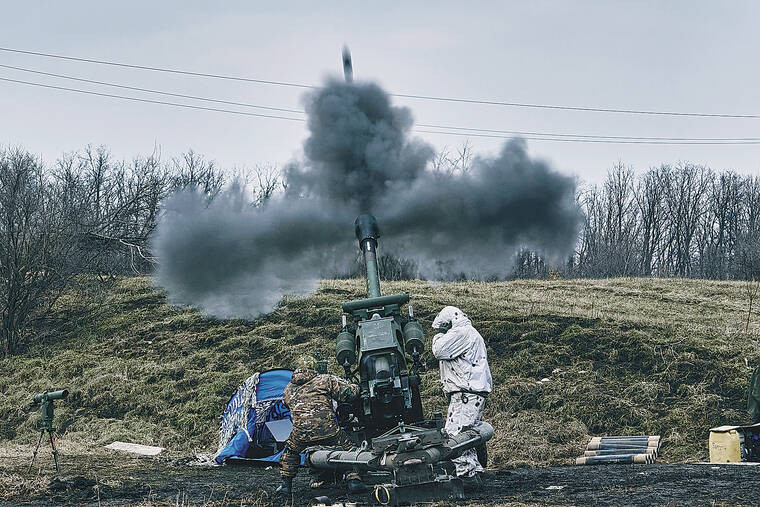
46, 400
51, 395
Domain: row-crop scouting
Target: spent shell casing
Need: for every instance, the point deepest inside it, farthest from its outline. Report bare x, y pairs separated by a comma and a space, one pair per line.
628, 437
607, 452
619, 458
593, 446
655, 438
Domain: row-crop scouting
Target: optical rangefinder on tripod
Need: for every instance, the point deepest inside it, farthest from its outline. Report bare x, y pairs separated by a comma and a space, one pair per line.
45, 400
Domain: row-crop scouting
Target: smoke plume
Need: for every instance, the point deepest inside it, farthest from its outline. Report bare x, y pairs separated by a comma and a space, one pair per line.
234, 260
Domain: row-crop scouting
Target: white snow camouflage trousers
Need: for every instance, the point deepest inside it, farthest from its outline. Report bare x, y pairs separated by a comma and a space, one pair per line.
465, 409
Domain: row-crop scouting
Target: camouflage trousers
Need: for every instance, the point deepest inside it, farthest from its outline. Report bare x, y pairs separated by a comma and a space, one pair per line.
465, 409
294, 446
753, 396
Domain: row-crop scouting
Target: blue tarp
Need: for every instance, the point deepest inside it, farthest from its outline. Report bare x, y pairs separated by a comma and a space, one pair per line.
262, 446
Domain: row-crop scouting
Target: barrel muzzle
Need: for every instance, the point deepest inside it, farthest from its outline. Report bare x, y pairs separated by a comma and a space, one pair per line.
366, 227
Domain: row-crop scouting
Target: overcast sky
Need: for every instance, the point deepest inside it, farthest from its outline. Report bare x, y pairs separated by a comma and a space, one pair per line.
674, 56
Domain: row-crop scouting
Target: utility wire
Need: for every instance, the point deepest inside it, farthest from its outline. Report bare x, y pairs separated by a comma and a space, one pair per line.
598, 141
148, 90
587, 136
426, 125
165, 103
158, 69
259, 115
577, 108
244, 113
402, 95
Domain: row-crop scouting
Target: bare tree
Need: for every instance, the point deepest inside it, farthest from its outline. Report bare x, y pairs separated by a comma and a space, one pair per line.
649, 199
441, 162
685, 191
192, 170
620, 222
445, 164
719, 233
397, 268
266, 180
611, 226
115, 206
463, 159
37, 243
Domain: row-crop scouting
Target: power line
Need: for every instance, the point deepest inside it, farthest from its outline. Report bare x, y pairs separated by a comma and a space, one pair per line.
597, 141
148, 90
456, 133
577, 108
158, 69
401, 95
136, 99
589, 136
427, 125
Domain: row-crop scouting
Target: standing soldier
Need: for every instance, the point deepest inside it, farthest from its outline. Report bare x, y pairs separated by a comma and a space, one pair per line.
753, 396
310, 396
466, 380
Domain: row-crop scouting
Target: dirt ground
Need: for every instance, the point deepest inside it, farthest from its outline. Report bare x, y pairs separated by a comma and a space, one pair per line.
119, 479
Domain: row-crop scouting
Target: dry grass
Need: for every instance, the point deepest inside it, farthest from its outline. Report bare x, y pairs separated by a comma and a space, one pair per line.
622, 356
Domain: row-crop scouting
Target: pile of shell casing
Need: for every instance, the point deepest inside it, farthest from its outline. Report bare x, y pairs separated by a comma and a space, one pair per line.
621, 449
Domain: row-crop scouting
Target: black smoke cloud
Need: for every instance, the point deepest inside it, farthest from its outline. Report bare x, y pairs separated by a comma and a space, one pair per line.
233, 260
474, 222
359, 150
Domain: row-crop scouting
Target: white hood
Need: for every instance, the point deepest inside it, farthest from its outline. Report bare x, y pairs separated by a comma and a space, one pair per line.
461, 353
450, 315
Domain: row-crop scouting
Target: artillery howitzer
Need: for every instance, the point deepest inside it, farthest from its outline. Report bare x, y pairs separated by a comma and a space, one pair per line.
404, 457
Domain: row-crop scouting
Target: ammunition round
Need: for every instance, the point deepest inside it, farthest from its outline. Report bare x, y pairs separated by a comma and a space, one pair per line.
621, 458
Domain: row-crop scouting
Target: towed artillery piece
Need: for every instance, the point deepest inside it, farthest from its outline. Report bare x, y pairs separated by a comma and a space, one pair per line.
402, 456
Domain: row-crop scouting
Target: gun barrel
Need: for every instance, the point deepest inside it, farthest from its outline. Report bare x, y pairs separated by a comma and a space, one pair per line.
367, 233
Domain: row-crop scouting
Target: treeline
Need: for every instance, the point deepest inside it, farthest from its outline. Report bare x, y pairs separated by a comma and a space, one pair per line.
670, 221
685, 221
90, 213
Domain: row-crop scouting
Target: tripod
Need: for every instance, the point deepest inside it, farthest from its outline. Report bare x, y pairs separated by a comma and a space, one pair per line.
46, 425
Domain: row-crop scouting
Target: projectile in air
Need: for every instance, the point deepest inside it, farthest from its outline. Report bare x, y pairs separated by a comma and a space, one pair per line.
348, 69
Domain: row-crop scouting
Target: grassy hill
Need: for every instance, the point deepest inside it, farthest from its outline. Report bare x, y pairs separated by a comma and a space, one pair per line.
666, 357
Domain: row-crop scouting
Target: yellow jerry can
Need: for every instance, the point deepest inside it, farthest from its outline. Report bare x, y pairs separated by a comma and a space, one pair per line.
726, 444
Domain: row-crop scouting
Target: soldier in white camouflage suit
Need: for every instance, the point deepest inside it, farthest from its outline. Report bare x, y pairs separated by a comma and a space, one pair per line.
466, 380
310, 396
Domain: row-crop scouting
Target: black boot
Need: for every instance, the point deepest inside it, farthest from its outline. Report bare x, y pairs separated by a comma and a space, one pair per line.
286, 486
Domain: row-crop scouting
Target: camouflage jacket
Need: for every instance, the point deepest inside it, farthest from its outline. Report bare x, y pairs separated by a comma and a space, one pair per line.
309, 396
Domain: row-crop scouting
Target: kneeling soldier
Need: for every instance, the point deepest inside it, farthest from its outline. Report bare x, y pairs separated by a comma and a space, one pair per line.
309, 396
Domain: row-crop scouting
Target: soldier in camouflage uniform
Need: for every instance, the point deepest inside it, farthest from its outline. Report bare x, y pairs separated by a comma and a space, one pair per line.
753, 396
310, 396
